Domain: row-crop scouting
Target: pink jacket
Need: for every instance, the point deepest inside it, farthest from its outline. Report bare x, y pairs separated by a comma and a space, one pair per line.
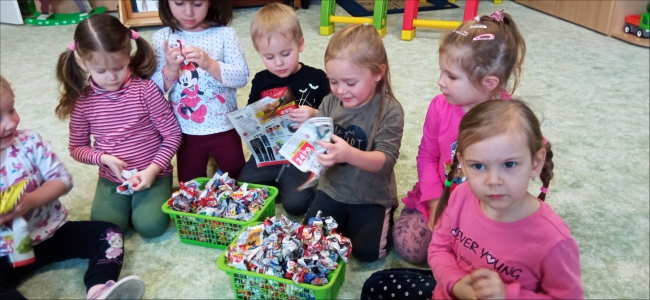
536, 257
436, 151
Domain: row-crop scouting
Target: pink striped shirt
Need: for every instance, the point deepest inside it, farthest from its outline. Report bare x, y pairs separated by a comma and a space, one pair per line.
135, 124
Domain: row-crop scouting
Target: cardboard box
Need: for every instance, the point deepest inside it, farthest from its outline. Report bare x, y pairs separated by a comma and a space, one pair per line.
69, 6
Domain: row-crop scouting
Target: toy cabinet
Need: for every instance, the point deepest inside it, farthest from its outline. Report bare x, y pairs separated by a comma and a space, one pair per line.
605, 16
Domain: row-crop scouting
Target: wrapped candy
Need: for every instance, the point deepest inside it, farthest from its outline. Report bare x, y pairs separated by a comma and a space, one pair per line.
283, 248
220, 198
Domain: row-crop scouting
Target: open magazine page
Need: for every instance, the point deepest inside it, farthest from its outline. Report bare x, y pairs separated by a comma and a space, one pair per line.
301, 148
264, 126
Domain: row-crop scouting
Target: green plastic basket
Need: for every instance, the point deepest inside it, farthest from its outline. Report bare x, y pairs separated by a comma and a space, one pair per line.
252, 285
214, 232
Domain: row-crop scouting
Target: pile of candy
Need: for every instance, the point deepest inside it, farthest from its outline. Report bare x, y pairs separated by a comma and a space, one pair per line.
220, 198
283, 248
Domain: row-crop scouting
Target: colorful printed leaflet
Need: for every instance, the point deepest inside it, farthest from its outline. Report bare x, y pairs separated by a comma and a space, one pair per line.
283, 248
220, 198
301, 149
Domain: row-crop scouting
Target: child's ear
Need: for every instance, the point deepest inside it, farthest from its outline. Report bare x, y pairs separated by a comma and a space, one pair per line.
538, 162
301, 44
382, 71
490, 82
460, 159
80, 61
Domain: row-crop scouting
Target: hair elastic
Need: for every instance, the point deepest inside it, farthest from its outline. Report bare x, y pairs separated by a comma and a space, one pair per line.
544, 140
477, 19
478, 26
447, 183
73, 46
134, 35
484, 37
544, 190
463, 33
497, 15
167, 78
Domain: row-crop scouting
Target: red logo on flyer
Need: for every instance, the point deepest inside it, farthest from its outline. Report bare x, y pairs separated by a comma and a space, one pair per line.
302, 153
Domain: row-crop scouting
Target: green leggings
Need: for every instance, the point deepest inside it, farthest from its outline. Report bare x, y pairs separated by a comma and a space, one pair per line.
144, 207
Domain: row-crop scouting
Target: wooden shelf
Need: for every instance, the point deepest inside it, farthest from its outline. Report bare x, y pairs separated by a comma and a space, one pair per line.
631, 38
605, 16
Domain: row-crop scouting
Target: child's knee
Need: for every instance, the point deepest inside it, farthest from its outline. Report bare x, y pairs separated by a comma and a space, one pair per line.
148, 228
297, 204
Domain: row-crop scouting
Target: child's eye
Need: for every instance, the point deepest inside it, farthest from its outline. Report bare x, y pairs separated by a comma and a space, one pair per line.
268, 57
510, 164
285, 54
101, 71
351, 83
198, 4
478, 166
179, 3
333, 82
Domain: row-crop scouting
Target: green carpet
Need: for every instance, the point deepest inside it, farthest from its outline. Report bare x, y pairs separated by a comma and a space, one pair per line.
592, 92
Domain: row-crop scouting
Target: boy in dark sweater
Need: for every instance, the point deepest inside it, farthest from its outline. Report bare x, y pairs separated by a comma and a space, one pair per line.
277, 37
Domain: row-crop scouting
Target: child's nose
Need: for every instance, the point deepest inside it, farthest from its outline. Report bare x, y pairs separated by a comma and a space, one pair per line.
493, 178
188, 9
440, 82
278, 61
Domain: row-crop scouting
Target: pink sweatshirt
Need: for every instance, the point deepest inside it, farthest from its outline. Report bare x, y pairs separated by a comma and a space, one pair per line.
436, 151
536, 257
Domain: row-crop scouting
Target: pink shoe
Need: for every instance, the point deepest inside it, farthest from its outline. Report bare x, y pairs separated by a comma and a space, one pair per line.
131, 287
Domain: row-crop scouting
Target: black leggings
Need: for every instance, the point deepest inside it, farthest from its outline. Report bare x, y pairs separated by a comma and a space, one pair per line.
367, 225
102, 243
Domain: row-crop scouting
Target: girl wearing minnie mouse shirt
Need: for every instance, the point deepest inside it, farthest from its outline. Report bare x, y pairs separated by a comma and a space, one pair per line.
200, 66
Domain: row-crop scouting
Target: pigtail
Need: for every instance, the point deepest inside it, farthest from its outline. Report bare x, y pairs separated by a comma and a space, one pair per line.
446, 192
547, 171
143, 63
514, 41
72, 82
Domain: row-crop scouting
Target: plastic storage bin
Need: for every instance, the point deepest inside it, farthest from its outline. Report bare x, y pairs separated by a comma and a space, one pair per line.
214, 232
252, 285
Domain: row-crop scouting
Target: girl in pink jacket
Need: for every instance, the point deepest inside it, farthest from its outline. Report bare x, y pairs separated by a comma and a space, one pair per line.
476, 62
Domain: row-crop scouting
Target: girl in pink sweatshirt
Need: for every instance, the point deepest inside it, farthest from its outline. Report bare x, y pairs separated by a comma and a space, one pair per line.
476, 62
493, 239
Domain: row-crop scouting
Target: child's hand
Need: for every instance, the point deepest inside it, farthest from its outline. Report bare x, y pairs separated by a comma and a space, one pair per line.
301, 114
198, 56
433, 207
173, 57
115, 164
487, 284
338, 151
463, 288
23, 206
142, 180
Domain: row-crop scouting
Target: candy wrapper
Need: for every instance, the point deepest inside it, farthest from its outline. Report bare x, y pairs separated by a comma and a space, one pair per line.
301, 149
17, 238
283, 248
126, 188
221, 198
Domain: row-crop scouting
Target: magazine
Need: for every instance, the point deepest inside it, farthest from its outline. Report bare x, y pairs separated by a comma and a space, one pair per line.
265, 126
301, 149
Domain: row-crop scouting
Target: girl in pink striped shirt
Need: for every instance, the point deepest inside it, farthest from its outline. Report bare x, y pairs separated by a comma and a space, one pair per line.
132, 124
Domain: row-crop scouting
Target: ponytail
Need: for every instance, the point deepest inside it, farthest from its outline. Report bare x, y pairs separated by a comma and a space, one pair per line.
143, 61
72, 82
547, 171
446, 191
